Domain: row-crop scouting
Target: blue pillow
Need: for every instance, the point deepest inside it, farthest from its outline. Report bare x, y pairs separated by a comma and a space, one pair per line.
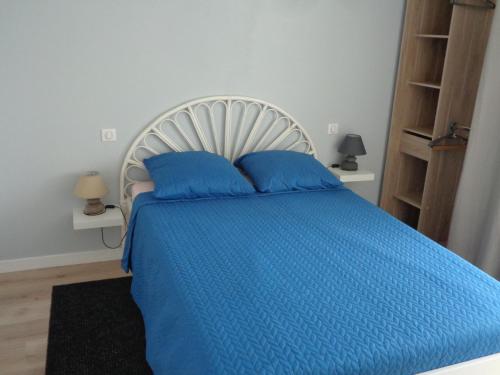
195, 174
275, 171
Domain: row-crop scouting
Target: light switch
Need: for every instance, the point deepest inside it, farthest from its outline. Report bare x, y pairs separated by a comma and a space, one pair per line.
108, 135
333, 128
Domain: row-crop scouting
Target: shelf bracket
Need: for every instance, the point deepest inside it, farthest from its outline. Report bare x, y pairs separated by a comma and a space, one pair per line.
488, 4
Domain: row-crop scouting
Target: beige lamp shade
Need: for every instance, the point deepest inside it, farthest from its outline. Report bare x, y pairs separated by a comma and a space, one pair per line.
90, 186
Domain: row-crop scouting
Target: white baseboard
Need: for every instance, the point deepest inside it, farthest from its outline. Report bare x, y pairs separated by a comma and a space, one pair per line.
56, 260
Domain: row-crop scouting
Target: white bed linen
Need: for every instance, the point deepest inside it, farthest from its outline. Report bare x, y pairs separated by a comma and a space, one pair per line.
141, 187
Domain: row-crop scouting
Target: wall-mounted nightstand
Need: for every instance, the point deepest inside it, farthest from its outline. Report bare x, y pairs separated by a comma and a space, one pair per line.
352, 176
111, 218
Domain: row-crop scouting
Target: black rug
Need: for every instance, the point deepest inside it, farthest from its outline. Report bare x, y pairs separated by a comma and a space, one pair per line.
96, 328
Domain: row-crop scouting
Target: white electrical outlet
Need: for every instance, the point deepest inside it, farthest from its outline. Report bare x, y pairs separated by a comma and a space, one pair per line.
108, 135
333, 128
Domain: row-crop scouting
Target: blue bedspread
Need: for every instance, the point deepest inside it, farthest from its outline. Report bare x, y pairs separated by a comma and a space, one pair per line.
301, 283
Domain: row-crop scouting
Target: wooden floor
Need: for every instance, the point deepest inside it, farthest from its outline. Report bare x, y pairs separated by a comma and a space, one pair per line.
25, 308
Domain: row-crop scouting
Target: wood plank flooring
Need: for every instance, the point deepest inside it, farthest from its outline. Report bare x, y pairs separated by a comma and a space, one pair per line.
25, 309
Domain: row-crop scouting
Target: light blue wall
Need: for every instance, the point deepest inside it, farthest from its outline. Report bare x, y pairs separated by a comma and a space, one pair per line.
475, 228
70, 68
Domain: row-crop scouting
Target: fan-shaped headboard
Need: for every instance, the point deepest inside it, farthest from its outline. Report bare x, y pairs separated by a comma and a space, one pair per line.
226, 125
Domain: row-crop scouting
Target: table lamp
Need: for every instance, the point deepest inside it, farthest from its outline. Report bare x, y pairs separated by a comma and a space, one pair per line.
91, 187
351, 146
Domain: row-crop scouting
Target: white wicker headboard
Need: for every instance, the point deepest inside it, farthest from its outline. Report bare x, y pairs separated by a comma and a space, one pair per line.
226, 125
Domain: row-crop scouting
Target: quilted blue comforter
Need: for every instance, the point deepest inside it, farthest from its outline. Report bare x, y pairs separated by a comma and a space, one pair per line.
301, 283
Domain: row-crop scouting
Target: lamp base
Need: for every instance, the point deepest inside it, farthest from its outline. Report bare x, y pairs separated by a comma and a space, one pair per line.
94, 207
349, 163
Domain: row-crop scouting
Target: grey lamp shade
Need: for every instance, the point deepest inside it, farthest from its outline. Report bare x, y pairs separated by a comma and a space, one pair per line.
352, 145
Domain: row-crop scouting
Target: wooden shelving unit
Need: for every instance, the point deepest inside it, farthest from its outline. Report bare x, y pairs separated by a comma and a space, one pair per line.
442, 54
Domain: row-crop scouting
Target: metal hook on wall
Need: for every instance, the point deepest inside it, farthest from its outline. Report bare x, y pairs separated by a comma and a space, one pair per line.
453, 129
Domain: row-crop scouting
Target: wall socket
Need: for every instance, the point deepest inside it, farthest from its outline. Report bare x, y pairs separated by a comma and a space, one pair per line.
108, 135
333, 128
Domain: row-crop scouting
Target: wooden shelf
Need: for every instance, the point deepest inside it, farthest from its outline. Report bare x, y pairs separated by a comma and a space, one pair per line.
434, 87
431, 85
429, 65
433, 17
422, 131
432, 36
407, 213
413, 198
412, 181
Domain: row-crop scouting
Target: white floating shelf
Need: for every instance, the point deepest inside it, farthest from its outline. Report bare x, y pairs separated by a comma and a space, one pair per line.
352, 176
111, 218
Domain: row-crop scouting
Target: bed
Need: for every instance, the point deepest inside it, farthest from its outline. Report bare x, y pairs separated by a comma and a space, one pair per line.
318, 282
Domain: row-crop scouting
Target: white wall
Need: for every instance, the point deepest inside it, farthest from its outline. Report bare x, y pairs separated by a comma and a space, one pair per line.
475, 229
70, 68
